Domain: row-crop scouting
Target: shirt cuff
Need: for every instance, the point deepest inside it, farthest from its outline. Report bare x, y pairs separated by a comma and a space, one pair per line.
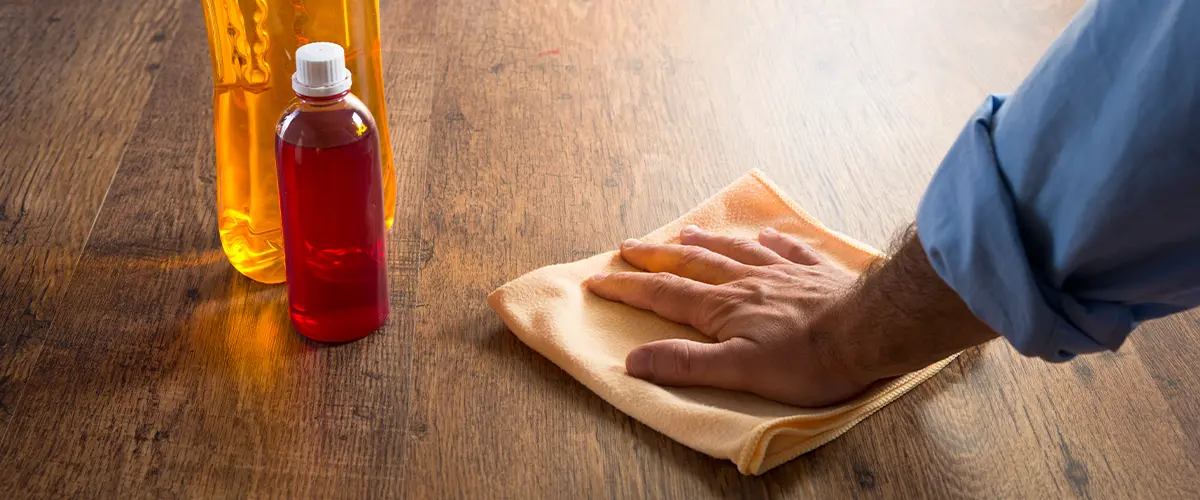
968, 227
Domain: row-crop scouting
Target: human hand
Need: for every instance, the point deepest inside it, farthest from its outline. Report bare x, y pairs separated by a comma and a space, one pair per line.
765, 303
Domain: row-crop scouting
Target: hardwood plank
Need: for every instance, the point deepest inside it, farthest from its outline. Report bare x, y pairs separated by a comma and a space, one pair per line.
870, 186
549, 158
1170, 351
169, 374
529, 149
77, 76
526, 133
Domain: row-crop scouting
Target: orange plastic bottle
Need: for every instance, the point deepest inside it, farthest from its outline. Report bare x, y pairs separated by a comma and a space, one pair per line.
253, 44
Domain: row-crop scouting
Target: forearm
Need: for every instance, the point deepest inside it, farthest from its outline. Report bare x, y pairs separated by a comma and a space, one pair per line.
1064, 214
901, 317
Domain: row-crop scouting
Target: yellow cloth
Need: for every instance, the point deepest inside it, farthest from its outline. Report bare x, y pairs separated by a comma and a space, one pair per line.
549, 310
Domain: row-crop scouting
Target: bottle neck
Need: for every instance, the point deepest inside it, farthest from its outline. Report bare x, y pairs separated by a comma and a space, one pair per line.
324, 100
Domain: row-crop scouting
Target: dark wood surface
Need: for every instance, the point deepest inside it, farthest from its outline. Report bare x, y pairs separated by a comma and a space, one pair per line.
135, 362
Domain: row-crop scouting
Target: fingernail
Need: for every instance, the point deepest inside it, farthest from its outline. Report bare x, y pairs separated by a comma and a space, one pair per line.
690, 230
770, 231
638, 363
595, 278
631, 242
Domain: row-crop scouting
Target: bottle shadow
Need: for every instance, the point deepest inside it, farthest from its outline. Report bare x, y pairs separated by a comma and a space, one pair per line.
239, 330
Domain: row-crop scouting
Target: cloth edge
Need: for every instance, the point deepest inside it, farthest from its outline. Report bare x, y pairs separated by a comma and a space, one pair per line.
753, 459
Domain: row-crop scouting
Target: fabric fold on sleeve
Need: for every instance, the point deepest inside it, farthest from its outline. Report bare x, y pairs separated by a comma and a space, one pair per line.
968, 226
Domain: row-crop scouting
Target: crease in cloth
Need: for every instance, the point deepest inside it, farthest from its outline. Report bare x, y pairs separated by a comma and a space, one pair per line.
588, 337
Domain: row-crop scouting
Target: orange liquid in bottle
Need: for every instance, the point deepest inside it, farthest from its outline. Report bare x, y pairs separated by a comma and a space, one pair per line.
252, 44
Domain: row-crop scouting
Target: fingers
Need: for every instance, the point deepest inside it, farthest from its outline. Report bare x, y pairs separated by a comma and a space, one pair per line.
670, 296
680, 362
789, 247
740, 249
687, 261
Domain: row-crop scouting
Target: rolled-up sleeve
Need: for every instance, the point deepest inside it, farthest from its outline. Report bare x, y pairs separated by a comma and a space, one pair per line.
1068, 212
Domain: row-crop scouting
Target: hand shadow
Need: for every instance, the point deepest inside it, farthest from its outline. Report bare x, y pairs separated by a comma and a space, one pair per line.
835, 468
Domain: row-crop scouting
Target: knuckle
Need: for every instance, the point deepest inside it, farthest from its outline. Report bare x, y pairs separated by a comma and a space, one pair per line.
743, 244
684, 361
705, 313
711, 311
661, 283
692, 255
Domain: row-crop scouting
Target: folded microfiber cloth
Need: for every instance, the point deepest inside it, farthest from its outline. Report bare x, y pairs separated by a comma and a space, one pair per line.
550, 310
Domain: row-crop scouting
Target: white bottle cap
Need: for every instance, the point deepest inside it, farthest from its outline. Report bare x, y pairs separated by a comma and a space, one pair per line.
320, 70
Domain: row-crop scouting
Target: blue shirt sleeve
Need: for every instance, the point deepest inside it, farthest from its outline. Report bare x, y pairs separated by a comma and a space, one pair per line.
1069, 211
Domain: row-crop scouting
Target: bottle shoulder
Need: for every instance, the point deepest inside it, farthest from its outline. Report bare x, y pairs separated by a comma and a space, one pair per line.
325, 124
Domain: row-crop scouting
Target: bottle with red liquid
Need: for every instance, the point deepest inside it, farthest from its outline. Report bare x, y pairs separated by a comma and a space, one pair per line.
331, 199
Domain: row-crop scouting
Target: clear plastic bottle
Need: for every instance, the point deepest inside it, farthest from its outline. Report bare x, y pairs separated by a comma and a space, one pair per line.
331, 199
252, 44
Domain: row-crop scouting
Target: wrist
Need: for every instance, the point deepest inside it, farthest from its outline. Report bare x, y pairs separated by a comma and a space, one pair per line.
849, 344
900, 317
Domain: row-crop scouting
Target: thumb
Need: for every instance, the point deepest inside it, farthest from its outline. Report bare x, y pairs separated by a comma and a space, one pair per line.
682, 362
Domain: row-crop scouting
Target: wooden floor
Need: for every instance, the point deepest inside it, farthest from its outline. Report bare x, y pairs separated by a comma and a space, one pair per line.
135, 362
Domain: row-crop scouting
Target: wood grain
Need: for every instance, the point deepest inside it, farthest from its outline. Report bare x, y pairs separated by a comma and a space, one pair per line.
137, 363
72, 89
